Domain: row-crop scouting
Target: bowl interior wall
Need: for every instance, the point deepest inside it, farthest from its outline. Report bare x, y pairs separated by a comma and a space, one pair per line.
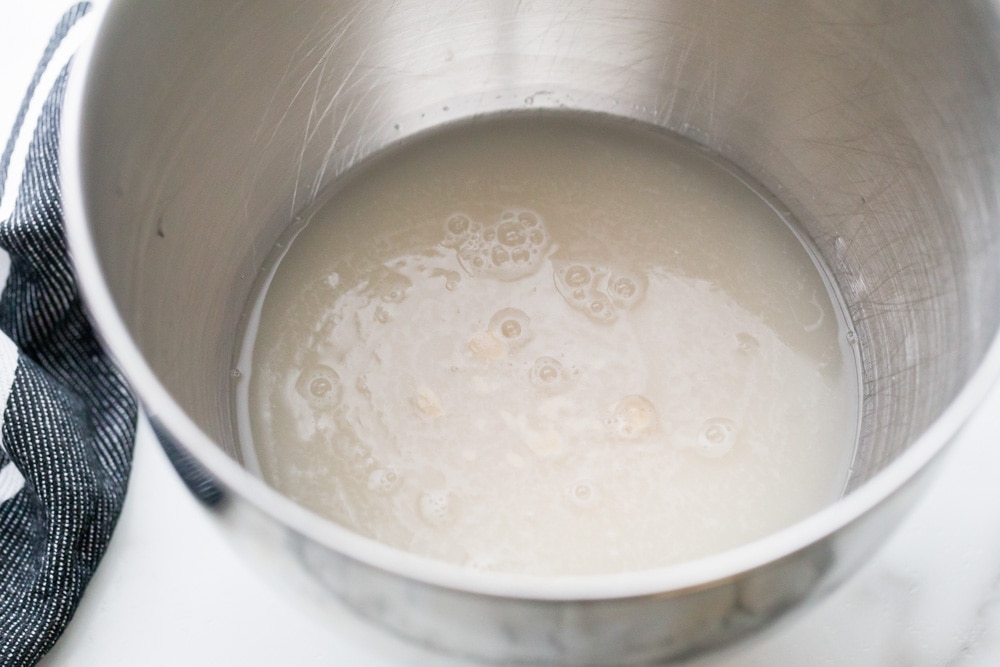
211, 125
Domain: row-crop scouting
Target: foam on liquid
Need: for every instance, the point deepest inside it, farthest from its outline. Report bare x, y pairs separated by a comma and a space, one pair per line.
550, 345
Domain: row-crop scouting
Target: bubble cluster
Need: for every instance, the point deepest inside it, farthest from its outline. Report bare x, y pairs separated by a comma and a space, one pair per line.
633, 416
319, 385
716, 437
599, 292
511, 326
383, 480
510, 247
436, 508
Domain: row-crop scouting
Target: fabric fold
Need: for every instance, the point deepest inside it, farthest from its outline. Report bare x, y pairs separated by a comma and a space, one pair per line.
68, 418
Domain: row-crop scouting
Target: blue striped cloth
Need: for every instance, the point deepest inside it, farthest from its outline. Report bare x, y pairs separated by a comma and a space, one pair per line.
68, 418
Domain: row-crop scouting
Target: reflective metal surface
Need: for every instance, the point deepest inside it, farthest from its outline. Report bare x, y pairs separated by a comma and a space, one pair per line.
196, 131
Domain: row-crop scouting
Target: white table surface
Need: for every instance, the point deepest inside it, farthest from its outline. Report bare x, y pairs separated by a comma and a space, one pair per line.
171, 590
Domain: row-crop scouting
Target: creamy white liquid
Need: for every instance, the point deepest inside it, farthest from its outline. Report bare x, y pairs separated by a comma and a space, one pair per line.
550, 345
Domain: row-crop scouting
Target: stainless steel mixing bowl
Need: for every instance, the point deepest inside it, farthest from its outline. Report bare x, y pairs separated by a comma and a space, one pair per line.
195, 132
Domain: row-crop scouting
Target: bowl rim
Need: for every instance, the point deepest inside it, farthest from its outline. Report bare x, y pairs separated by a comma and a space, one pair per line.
672, 579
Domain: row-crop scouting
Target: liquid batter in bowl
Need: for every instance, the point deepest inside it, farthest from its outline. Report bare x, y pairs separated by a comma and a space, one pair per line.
549, 344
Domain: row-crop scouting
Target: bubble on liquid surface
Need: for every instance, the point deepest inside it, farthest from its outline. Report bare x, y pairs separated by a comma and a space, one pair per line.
319, 385
383, 480
499, 256
576, 276
511, 326
458, 224
511, 233
582, 493
548, 373
521, 255
633, 416
600, 308
716, 437
626, 289
436, 508
456, 229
